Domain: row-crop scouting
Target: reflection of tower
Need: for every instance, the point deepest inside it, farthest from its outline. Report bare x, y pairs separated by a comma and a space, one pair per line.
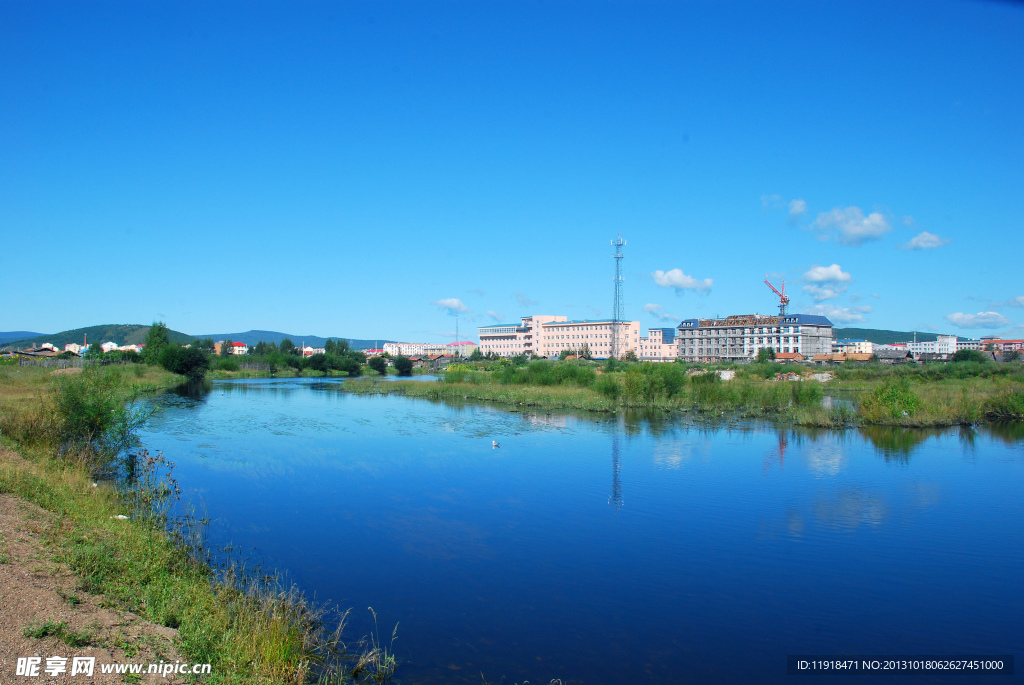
770, 457
616, 498
617, 305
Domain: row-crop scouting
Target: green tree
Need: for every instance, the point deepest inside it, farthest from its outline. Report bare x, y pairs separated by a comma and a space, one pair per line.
403, 365
157, 338
585, 352
190, 362
968, 356
476, 356
225, 348
288, 347
317, 362
378, 364
329, 346
206, 345
630, 355
260, 349
765, 355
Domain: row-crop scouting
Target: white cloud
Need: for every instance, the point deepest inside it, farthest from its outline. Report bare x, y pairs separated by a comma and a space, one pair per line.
979, 320
839, 314
771, 201
850, 227
478, 291
1016, 301
658, 312
525, 301
797, 209
497, 316
826, 274
925, 241
823, 292
452, 305
675, 278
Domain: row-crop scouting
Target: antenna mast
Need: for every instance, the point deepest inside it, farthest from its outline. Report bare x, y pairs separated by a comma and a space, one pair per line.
617, 306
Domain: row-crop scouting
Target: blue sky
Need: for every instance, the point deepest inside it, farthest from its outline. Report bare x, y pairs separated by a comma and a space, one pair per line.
366, 169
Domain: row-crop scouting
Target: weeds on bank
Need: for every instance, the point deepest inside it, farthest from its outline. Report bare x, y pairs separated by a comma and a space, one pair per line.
249, 627
60, 630
911, 395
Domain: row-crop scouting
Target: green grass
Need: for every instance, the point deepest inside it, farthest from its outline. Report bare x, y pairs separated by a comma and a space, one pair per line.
60, 630
932, 395
250, 628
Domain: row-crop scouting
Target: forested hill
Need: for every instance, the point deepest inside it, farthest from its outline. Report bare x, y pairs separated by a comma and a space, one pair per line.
6, 336
880, 337
253, 337
122, 334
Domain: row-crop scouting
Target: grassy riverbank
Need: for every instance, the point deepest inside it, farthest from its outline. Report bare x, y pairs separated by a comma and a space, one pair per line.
51, 431
909, 396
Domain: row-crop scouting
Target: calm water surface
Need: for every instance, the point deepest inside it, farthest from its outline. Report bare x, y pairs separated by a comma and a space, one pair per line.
607, 550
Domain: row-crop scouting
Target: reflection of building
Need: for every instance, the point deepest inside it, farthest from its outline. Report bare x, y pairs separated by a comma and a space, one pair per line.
741, 337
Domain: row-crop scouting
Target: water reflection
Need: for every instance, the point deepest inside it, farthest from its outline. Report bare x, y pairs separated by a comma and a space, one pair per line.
523, 561
896, 443
616, 498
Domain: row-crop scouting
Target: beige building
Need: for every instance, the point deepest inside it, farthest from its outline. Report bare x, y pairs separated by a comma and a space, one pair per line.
743, 336
658, 346
547, 336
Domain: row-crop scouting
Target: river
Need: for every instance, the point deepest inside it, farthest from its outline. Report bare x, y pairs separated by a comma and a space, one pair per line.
610, 549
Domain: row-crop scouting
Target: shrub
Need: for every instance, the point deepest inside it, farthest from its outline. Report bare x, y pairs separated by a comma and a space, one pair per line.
968, 356
92, 413
378, 364
403, 365
607, 386
893, 399
190, 362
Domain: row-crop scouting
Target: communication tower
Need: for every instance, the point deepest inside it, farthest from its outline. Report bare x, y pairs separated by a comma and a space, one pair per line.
617, 306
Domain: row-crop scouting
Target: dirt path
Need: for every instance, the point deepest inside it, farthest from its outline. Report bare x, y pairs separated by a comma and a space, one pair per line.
35, 589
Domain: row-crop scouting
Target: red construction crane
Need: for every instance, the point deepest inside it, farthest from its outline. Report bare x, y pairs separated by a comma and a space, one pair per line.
783, 298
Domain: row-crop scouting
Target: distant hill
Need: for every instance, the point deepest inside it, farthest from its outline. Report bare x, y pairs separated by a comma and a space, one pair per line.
880, 337
122, 334
17, 335
253, 337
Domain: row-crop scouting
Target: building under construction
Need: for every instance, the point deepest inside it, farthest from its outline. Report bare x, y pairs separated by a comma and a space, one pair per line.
735, 338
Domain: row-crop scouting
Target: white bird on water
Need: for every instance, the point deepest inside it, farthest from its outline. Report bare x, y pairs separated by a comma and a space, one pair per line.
494, 443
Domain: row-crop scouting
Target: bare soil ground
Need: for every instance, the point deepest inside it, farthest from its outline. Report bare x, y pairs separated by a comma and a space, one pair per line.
35, 588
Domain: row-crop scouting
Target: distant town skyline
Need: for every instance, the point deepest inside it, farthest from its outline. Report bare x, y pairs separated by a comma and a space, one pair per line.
377, 169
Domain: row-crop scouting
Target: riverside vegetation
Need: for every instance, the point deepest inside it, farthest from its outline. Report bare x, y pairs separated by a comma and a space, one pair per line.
962, 392
67, 444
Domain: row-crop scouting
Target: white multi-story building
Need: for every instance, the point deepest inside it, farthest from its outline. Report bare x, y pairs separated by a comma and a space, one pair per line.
548, 335
943, 344
852, 346
658, 346
108, 346
414, 349
742, 336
